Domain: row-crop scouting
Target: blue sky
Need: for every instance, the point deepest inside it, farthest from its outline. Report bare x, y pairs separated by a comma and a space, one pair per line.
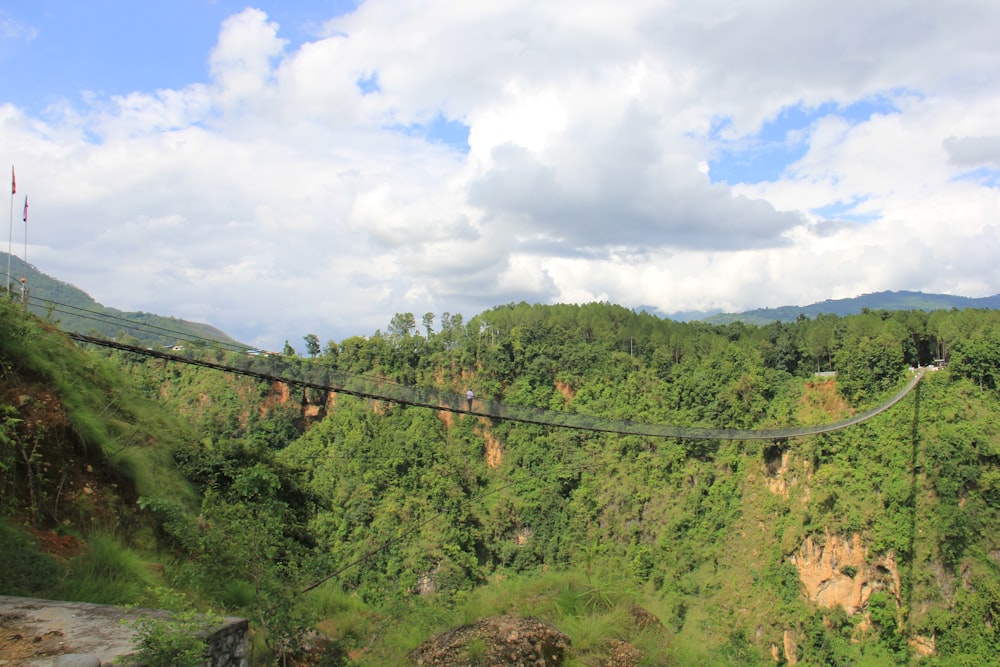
783, 140
282, 168
115, 47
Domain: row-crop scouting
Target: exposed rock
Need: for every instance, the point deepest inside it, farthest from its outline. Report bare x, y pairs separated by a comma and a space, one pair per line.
791, 649
924, 646
777, 473
495, 642
622, 654
838, 572
567, 391
945, 581
77, 660
644, 619
427, 584
494, 450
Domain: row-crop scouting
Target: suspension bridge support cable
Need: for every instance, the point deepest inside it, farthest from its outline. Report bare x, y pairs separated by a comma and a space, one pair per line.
278, 369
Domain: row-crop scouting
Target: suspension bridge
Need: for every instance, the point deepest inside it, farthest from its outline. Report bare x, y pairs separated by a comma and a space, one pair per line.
310, 375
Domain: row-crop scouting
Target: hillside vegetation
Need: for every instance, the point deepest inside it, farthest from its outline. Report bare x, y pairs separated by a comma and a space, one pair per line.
72, 309
351, 531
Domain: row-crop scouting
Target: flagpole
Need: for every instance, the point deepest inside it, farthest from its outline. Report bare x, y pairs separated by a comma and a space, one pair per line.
24, 278
10, 228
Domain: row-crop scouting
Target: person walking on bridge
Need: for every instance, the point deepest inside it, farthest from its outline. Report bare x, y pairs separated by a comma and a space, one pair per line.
468, 398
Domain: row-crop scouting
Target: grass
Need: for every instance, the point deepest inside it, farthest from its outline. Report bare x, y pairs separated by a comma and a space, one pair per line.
106, 413
26, 570
475, 651
592, 614
108, 573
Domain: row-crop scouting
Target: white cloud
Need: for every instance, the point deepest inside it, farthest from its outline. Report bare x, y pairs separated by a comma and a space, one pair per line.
279, 198
241, 63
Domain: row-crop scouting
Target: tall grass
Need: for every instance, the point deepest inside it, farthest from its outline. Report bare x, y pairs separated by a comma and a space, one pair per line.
593, 614
25, 570
108, 573
110, 418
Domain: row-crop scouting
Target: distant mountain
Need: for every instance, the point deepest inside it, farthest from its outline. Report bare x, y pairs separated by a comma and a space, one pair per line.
76, 311
875, 301
679, 315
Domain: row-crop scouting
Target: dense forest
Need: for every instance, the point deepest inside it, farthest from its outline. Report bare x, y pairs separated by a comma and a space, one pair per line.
351, 530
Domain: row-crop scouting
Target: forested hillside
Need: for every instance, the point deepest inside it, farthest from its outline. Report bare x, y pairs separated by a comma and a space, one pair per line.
72, 309
350, 531
876, 301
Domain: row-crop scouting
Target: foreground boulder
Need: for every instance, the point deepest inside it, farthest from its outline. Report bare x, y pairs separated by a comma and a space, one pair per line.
497, 641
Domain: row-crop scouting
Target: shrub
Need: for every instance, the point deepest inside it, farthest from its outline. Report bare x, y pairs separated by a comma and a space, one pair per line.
174, 641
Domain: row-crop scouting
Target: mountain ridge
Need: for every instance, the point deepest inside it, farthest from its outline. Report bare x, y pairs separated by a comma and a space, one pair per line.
46, 288
885, 300
76, 311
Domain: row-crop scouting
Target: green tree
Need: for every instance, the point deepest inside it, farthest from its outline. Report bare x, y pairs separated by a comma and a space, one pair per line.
248, 535
977, 357
821, 340
871, 359
312, 345
402, 325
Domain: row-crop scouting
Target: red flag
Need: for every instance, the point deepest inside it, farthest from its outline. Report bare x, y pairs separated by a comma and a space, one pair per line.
13, 181
25, 209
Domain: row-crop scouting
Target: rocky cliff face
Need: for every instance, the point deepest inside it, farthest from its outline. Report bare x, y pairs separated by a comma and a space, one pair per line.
837, 571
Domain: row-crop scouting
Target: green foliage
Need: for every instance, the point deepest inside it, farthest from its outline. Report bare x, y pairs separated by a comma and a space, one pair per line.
871, 359
977, 355
9, 422
591, 612
249, 545
108, 573
169, 642
152, 329
108, 421
174, 639
967, 633
312, 344
418, 521
475, 651
828, 639
885, 620
26, 570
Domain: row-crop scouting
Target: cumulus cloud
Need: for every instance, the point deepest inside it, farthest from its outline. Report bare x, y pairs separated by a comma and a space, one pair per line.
973, 151
301, 188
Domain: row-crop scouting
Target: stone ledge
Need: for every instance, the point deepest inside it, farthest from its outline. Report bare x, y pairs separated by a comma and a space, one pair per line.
55, 633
